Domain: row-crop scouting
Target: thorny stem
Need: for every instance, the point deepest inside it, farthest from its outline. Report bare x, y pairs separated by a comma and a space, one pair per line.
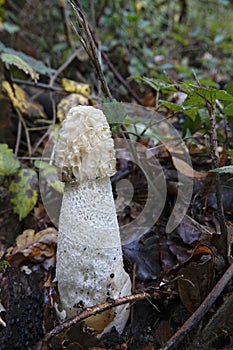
211, 107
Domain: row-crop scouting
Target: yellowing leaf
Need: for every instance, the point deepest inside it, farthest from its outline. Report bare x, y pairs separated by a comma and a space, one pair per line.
24, 189
49, 173
8, 165
72, 100
73, 86
15, 60
22, 101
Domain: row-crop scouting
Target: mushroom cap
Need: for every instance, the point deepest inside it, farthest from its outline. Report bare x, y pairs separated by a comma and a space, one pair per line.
85, 149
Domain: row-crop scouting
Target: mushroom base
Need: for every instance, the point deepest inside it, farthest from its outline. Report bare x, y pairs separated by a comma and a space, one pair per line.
89, 255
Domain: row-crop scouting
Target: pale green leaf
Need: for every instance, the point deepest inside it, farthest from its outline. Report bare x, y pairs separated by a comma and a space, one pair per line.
228, 110
115, 112
224, 169
173, 106
37, 66
14, 60
24, 191
8, 164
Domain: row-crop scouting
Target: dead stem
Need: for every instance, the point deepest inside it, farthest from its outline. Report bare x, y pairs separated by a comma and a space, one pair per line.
211, 106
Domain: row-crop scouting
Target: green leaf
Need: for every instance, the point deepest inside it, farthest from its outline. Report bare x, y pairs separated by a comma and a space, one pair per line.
222, 95
8, 164
24, 189
49, 174
224, 169
115, 112
228, 110
199, 95
173, 106
19, 63
37, 66
229, 88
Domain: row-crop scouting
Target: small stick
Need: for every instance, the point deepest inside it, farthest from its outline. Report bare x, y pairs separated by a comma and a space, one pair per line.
19, 133
64, 66
91, 311
21, 119
120, 78
201, 311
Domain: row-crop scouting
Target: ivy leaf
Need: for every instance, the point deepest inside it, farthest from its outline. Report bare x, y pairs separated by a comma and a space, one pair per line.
11, 59
24, 189
224, 169
49, 173
8, 164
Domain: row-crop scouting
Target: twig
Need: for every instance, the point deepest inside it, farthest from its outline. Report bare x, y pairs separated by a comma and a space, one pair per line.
37, 85
21, 119
120, 78
64, 66
201, 311
41, 140
19, 133
91, 311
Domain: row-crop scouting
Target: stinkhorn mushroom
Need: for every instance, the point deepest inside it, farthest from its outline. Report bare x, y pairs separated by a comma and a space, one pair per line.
89, 267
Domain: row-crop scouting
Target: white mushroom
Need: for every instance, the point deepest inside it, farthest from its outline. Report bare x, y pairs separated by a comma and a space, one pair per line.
89, 255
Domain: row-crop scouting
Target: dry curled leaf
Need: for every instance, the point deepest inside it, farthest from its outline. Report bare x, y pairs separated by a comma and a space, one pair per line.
197, 277
33, 246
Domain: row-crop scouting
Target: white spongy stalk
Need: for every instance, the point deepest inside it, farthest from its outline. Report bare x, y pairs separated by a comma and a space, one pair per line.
89, 254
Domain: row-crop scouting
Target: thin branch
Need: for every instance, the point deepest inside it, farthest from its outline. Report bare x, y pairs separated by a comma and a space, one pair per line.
40, 140
91, 311
38, 85
21, 119
201, 311
64, 66
19, 133
120, 78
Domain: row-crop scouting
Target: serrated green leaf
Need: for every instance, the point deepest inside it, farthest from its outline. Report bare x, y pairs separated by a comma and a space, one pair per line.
19, 63
224, 169
8, 164
49, 174
24, 190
